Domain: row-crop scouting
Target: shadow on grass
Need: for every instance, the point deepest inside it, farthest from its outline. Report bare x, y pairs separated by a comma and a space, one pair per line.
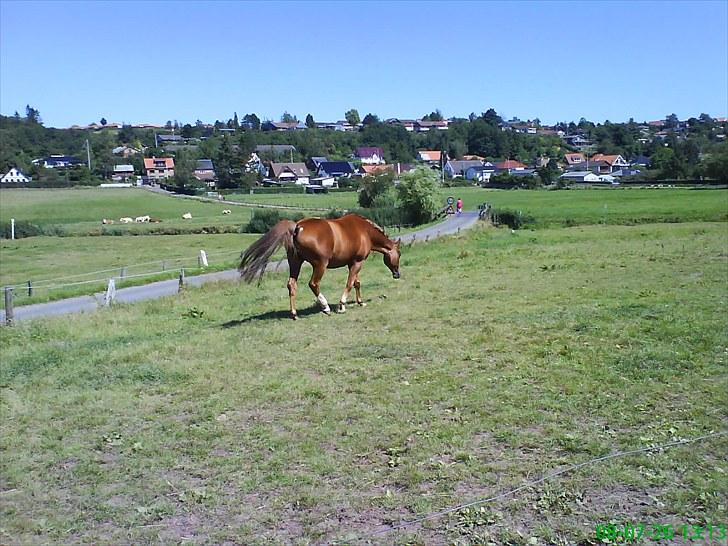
273, 315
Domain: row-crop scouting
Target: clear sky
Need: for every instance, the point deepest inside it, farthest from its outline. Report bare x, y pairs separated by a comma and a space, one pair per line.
151, 62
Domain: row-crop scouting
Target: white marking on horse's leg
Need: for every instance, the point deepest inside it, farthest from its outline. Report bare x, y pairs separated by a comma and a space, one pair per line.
324, 304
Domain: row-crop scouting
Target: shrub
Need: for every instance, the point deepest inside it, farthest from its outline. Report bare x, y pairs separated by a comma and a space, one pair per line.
265, 219
514, 219
27, 229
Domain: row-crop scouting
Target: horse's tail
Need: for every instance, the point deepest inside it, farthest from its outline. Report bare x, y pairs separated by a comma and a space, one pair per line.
254, 260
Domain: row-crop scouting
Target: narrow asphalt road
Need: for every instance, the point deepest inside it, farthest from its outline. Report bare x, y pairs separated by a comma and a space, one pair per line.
449, 226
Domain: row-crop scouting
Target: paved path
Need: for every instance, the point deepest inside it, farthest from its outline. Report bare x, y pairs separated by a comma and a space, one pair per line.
450, 226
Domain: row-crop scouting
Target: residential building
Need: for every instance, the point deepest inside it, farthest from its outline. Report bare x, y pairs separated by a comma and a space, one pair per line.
57, 161
125, 151
480, 173
283, 126
373, 170
335, 168
613, 162
510, 166
122, 172
289, 173
574, 160
315, 161
431, 157
422, 126
580, 177
455, 168
14, 176
158, 168
370, 155
205, 172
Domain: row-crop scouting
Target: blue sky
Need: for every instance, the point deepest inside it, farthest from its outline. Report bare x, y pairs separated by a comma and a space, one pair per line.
559, 61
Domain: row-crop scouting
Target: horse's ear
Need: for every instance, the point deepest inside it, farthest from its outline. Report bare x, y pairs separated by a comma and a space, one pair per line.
398, 243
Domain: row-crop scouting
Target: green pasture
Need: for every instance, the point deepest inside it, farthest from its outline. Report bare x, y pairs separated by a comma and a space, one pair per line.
337, 200
56, 265
80, 211
556, 208
211, 418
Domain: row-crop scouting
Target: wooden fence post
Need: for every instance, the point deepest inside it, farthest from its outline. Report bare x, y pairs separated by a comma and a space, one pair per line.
30, 289
9, 312
181, 279
202, 259
110, 293
123, 273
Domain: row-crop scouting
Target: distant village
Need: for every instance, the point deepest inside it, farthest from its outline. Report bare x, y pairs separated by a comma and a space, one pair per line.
581, 165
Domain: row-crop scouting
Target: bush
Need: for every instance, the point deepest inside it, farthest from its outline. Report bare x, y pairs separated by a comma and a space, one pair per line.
264, 219
514, 219
27, 229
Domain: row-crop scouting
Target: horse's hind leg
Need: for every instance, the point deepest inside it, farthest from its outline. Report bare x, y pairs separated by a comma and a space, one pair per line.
294, 266
350, 281
315, 283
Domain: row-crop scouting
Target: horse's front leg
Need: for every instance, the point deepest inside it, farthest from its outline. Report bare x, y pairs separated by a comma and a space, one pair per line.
357, 286
350, 282
315, 284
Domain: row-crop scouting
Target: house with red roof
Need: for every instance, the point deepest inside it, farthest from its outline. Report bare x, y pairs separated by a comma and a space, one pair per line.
609, 163
431, 157
509, 165
158, 168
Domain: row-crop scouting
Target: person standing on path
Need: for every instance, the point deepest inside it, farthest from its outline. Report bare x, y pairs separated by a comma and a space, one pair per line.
460, 206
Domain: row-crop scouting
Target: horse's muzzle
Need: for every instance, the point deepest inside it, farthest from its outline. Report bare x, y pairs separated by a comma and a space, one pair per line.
395, 275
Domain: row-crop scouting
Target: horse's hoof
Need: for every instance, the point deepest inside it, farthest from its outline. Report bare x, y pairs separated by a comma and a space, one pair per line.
326, 311
294, 316
341, 309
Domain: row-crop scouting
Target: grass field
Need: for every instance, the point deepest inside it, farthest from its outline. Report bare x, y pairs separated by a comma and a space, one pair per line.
558, 208
78, 211
81, 210
210, 418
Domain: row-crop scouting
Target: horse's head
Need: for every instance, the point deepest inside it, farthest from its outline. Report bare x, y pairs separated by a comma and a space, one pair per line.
391, 259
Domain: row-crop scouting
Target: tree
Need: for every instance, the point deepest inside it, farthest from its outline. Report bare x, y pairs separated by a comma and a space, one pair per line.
32, 115
184, 168
310, 123
715, 166
433, 116
373, 187
125, 135
236, 124
417, 192
352, 116
288, 118
370, 119
252, 121
491, 117
187, 131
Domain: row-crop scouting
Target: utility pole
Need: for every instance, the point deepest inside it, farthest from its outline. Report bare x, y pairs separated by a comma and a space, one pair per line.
88, 155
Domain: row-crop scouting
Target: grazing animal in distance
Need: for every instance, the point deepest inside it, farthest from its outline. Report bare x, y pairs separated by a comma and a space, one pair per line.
107, 221
227, 211
187, 216
325, 244
141, 219
126, 220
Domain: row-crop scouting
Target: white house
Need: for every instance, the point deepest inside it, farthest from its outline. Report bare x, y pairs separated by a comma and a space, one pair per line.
14, 176
580, 176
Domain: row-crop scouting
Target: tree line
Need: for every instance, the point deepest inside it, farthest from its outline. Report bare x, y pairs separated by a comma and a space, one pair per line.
690, 151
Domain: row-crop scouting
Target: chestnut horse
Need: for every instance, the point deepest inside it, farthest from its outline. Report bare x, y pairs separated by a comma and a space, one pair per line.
346, 241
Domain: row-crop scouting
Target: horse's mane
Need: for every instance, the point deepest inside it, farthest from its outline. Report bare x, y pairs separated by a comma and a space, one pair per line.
375, 226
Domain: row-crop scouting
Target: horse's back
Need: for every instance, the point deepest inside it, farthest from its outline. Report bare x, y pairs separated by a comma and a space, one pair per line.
338, 242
